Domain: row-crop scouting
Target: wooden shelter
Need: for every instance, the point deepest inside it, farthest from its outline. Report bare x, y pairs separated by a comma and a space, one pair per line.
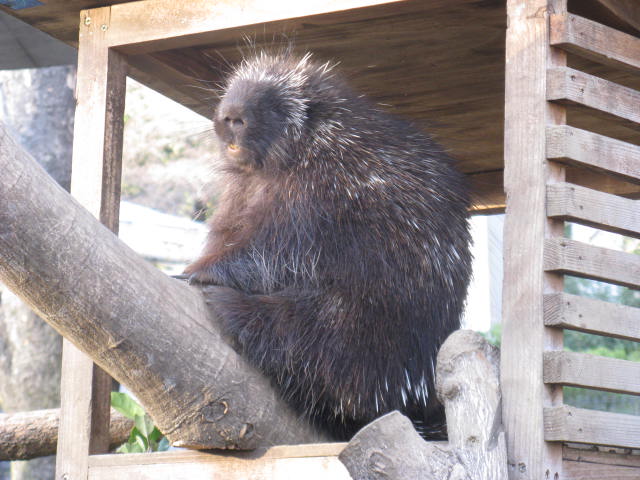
556, 114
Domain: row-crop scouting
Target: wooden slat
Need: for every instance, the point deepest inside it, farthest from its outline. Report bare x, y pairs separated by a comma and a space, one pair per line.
586, 149
311, 462
602, 456
95, 182
595, 209
592, 316
571, 424
592, 371
595, 41
567, 84
572, 470
576, 258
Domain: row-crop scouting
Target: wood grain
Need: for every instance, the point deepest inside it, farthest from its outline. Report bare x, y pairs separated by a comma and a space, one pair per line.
580, 259
27, 435
595, 41
586, 149
311, 462
571, 424
627, 10
592, 316
601, 455
95, 183
569, 85
592, 371
140, 27
590, 471
94, 290
524, 337
595, 209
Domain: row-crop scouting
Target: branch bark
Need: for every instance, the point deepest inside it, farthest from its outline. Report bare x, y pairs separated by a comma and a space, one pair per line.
28, 435
151, 333
467, 382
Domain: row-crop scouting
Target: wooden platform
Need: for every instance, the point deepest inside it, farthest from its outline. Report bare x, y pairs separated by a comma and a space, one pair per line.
440, 63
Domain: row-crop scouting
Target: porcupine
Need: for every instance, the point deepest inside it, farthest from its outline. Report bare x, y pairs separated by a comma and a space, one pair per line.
342, 234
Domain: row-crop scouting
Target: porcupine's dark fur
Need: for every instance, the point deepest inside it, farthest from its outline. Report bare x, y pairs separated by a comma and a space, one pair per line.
342, 233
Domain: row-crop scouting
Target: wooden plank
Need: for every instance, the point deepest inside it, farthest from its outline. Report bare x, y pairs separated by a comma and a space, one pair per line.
576, 258
593, 463
141, 27
592, 316
283, 462
318, 468
592, 371
595, 41
524, 338
97, 152
589, 471
571, 424
603, 456
586, 149
310, 450
569, 85
595, 209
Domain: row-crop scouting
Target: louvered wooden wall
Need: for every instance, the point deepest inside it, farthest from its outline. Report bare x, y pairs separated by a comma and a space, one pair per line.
540, 142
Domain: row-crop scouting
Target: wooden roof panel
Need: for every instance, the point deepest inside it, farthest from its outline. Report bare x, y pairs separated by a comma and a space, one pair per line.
437, 62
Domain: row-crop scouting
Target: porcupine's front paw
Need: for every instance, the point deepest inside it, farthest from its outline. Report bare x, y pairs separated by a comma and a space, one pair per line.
201, 271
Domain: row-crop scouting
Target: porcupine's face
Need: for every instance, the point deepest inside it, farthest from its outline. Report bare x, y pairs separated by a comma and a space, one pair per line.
252, 121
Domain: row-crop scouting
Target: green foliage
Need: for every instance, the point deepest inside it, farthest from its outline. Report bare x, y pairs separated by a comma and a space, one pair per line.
145, 436
131, 190
603, 346
494, 335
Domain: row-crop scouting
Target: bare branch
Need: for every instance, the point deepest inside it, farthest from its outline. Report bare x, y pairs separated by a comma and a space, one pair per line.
151, 333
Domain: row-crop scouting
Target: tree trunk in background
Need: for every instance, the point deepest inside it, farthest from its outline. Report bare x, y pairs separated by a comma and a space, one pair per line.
38, 107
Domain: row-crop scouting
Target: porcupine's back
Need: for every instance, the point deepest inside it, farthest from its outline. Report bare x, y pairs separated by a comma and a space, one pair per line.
343, 232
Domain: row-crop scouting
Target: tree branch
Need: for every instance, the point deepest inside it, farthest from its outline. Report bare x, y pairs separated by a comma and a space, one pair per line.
151, 333
27, 435
468, 385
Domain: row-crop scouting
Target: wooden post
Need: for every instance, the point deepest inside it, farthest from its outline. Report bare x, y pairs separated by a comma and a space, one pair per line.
526, 174
95, 182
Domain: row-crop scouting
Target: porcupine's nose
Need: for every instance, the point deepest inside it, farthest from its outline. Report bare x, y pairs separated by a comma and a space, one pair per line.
234, 123
233, 119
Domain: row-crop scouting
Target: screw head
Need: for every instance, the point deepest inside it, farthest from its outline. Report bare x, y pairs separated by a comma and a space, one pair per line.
104, 27
87, 21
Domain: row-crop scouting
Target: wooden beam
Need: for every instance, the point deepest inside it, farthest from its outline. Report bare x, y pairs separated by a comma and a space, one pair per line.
571, 424
572, 86
592, 316
95, 182
589, 471
593, 208
141, 27
524, 337
578, 147
592, 371
311, 462
602, 456
573, 470
582, 260
626, 10
595, 41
